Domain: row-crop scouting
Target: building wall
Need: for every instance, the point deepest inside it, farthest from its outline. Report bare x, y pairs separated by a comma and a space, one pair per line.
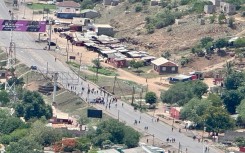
105, 31
168, 69
68, 10
90, 15
216, 2
67, 15
209, 9
107, 2
227, 8
174, 113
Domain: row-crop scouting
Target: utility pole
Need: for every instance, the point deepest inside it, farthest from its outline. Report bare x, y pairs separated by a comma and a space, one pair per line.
80, 64
141, 96
153, 141
47, 68
118, 115
24, 10
133, 96
179, 148
113, 89
67, 50
55, 86
50, 32
97, 67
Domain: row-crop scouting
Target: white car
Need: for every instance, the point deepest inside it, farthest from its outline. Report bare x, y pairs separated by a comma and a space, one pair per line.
57, 22
51, 2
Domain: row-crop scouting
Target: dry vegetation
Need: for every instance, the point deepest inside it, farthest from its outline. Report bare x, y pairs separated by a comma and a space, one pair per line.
181, 37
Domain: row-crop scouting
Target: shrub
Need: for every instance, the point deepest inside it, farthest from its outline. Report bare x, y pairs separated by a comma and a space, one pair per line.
159, 25
138, 8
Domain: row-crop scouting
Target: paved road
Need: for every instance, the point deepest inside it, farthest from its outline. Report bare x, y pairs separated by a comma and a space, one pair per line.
39, 57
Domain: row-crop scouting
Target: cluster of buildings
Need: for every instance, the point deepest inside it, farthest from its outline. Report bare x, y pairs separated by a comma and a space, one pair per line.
70, 9
220, 6
99, 38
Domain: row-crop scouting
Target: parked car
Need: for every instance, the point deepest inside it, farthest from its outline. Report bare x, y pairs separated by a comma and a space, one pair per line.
52, 43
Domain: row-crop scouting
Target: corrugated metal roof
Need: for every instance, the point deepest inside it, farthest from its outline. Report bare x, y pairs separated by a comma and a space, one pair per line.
160, 61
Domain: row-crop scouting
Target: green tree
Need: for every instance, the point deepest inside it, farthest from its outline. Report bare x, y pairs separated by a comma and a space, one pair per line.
220, 43
15, 136
44, 135
114, 131
241, 110
150, 97
4, 98
9, 124
195, 110
231, 99
217, 119
138, 8
233, 80
25, 145
33, 105
204, 41
215, 100
240, 42
240, 141
182, 92
87, 4
131, 138
199, 88
83, 144
144, 2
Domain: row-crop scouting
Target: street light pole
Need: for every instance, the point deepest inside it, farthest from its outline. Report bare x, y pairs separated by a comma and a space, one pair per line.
118, 115
24, 10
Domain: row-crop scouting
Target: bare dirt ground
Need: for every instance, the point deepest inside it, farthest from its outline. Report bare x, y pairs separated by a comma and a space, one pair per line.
181, 37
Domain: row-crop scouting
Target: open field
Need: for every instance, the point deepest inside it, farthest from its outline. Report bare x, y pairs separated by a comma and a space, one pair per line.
70, 103
39, 6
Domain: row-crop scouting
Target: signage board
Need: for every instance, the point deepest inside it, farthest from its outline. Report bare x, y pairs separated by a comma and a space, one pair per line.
94, 113
73, 57
22, 25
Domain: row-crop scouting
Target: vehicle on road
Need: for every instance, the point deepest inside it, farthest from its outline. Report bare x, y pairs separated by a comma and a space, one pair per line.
33, 67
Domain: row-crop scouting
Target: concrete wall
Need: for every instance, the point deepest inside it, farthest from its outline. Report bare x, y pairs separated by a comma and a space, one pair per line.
105, 31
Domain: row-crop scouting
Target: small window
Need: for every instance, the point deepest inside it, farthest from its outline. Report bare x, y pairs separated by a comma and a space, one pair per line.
173, 68
163, 68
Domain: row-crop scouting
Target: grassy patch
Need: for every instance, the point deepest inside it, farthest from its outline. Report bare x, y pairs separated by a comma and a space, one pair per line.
74, 64
103, 71
70, 103
145, 72
123, 88
20, 69
38, 6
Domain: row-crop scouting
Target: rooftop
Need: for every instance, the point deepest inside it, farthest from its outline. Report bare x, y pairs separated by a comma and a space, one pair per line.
88, 10
160, 61
68, 4
103, 25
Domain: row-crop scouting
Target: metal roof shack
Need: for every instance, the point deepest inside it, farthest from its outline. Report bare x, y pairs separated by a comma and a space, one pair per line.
136, 54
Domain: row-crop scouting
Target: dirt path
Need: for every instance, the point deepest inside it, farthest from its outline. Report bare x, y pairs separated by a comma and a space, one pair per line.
239, 18
217, 66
